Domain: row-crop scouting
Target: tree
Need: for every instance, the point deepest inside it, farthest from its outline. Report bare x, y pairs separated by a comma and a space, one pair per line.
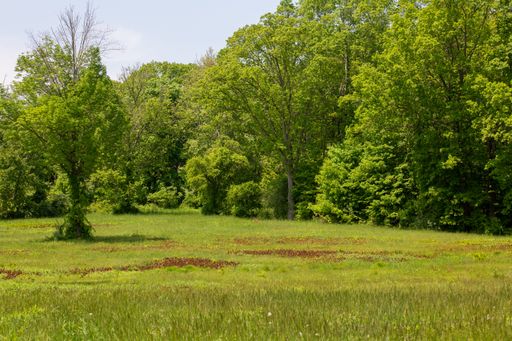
274, 82
70, 106
26, 177
154, 144
435, 104
356, 34
210, 176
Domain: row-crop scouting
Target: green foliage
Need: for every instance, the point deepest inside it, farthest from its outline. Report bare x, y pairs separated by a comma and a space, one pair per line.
25, 176
211, 175
153, 148
111, 192
413, 98
17, 187
432, 117
165, 197
274, 189
276, 86
77, 121
244, 200
364, 183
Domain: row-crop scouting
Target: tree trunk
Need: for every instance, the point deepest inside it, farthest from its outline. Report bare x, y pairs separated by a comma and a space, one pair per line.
75, 225
489, 183
291, 201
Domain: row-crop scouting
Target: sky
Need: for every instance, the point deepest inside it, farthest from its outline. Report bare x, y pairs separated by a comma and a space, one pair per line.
161, 30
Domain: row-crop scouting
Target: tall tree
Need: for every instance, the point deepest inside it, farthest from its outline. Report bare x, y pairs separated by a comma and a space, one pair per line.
274, 80
356, 34
157, 134
70, 106
437, 103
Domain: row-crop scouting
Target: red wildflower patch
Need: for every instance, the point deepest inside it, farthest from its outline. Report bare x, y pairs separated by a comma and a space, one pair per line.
300, 240
10, 274
289, 253
163, 263
166, 245
321, 241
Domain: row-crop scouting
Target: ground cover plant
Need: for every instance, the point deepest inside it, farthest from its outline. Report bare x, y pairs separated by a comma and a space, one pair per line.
178, 274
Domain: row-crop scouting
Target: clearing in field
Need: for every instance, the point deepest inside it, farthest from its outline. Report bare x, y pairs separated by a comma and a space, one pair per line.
179, 273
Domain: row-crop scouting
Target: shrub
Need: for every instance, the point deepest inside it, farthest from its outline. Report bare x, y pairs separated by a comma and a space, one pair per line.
111, 192
274, 191
166, 197
210, 176
364, 184
244, 200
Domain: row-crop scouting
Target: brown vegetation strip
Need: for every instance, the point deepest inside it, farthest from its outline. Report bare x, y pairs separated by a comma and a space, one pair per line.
163, 263
169, 244
384, 253
368, 256
300, 240
289, 253
474, 247
10, 274
35, 226
14, 252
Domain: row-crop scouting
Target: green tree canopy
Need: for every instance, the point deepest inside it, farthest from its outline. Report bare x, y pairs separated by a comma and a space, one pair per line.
70, 107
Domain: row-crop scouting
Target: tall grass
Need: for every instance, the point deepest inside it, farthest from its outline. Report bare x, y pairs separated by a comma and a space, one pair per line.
374, 283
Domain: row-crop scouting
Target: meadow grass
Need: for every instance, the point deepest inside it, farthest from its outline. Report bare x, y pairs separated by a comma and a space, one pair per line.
292, 280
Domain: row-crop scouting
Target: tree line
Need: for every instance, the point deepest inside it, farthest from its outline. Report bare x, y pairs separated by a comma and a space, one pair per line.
395, 112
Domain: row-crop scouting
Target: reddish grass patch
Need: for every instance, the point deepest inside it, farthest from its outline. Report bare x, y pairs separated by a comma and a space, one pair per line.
10, 274
163, 263
300, 240
169, 244
289, 253
181, 262
322, 241
474, 248
395, 255
252, 240
13, 252
368, 256
36, 226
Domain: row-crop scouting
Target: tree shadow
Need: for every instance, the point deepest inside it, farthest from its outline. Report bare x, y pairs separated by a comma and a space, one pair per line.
168, 212
131, 238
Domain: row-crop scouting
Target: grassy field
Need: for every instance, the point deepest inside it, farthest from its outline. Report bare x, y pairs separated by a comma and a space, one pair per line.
180, 275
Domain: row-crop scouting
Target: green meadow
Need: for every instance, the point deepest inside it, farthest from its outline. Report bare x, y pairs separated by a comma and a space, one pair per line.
179, 275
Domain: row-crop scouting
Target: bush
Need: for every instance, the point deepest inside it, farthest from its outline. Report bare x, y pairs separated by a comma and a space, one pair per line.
304, 211
274, 190
166, 197
364, 184
244, 200
55, 205
210, 176
111, 192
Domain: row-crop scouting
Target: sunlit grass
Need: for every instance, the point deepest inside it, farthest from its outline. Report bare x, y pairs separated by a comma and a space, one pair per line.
293, 280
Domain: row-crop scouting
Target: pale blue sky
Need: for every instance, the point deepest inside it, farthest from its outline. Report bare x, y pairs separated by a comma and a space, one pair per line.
173, 30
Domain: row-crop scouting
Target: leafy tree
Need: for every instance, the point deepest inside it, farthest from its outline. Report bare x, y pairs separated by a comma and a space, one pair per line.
274, 85
356, 34
437, 97
154, 145
244, 200
25, 176
111, 192
70, 107
165, 197
210, 176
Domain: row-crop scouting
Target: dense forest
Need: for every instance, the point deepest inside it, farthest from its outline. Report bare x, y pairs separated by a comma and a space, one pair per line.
394, 112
